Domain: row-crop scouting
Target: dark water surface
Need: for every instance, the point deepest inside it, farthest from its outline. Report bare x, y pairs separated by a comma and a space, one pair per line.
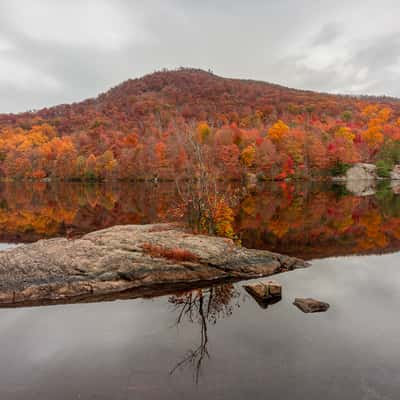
216, 343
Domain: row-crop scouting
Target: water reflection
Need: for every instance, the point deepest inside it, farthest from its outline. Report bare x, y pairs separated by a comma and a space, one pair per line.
33, 210
304, 220
203, 306
126, 349
316, 222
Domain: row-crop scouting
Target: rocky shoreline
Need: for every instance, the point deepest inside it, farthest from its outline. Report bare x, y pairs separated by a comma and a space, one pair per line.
138, 259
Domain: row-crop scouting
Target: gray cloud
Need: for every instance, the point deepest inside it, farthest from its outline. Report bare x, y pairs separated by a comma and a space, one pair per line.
367, 67
327, 35
64, 51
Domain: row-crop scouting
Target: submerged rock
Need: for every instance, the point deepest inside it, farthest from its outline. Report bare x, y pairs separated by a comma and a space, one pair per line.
127, 257
265, 293
311, 305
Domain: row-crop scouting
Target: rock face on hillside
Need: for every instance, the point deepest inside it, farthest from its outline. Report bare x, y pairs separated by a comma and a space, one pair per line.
361, 171
126, 257
395, 173
360, 179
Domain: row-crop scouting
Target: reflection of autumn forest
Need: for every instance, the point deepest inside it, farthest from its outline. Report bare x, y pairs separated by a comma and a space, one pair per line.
307, 221
312, 223
30, 211
141, 128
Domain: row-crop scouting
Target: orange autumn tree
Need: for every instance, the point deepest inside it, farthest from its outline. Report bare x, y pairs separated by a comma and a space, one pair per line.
278, 131
373, 136
223, 219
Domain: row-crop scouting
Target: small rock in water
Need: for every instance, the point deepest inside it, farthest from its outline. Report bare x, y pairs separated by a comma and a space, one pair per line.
265, 293
311, 305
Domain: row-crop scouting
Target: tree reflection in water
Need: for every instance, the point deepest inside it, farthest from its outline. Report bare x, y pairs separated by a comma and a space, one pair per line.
204, 307
295, 218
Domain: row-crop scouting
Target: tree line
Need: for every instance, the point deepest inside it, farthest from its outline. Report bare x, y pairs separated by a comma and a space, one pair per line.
299, 147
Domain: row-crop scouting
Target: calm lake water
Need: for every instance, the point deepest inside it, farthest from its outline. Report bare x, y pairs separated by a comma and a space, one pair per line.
215, 343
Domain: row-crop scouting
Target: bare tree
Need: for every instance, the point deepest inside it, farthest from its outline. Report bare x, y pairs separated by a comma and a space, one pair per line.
198, 187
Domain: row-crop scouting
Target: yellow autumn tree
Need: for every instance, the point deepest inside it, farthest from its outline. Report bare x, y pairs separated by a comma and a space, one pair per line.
223, 219
346, 134
247, 155
203, 131
278, 131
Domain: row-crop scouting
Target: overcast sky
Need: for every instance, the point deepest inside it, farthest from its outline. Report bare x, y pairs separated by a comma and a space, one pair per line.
59, 51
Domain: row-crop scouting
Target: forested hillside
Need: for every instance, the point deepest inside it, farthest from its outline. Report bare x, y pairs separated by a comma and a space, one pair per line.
154, 127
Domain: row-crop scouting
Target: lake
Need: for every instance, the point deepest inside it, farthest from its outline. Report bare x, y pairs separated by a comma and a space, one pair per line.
215, 342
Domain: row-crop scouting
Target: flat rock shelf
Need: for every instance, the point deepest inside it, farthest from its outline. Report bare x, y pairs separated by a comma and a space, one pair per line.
141, 259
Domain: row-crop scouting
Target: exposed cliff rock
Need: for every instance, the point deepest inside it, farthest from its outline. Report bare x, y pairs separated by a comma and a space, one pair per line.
395, 173
127, 257
360, 179
361, 171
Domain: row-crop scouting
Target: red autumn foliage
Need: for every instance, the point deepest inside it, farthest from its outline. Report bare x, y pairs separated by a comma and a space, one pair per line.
139, 130
176, 253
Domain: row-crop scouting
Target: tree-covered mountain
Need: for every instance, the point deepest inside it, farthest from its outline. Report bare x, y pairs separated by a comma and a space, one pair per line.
152, 126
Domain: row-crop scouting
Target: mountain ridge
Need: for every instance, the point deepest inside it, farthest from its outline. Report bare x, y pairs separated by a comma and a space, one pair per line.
189, 70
